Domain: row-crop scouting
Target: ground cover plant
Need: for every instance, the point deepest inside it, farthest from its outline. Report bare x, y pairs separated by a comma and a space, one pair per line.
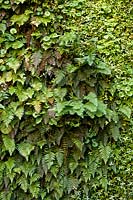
66, 87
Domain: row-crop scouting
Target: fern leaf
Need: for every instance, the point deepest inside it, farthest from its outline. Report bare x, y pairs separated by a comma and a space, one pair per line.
10, 164
25, 149
105, 152
9, 144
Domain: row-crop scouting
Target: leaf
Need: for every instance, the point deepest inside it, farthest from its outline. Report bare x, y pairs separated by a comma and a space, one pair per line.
17, 44
77, 107
105, 152
34, 189
59, 77
37, 106
36, 58
10, 164
102, 68
21, 19
101, 109
49, 159
90, 59
60, 158
19, 112
115, 132
72, 166
22, 181
126, 111
9, 144
19, 1
37, 85
78, 144
104, 182
14, 63
25, 149
91, 107
2, 27
92, 98
71, 68
9, 76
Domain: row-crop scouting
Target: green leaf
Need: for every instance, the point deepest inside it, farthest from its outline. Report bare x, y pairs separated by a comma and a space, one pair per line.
14, 63
8, 76
92, 98
10, 164
73, 165
2, 27
25, 149
125, 110
90, 59
9, 144
102, 68
60, 158
49, 159
115, 132
101, 109
36, 58
34, 189
21, 19
19, 112
91, 107
78, 144
17, 44
22, 181
105, 152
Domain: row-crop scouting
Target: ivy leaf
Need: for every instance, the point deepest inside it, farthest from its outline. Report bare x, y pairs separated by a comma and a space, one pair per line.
25, 149
126, 111
9, 144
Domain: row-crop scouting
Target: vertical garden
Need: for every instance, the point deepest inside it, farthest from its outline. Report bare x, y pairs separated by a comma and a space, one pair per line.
66, 88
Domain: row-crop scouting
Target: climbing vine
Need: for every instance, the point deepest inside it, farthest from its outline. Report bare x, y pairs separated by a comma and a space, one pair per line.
65, 99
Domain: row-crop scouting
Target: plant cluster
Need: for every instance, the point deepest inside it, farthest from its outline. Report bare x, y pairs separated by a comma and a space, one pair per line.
65, 97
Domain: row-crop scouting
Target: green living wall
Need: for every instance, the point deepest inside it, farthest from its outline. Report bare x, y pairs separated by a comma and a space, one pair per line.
66, 87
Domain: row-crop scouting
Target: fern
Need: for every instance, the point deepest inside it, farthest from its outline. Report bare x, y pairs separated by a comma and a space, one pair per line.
60, 157
10, 164
22, 181
105, 152
49, 159
35, 189
25, 149
9, 144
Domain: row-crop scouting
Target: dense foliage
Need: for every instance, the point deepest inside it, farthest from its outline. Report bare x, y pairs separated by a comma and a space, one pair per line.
66, 87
